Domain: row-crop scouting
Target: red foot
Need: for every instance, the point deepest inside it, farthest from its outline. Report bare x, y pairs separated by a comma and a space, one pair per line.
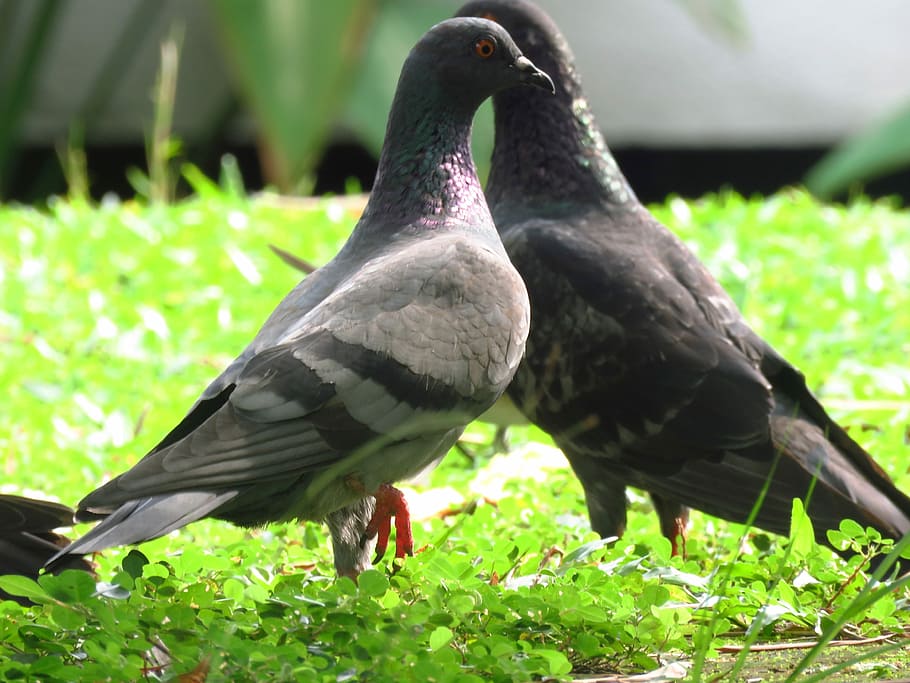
678, 537
390, 502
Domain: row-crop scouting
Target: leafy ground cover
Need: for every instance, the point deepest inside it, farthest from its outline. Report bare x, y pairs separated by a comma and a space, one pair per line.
114, 317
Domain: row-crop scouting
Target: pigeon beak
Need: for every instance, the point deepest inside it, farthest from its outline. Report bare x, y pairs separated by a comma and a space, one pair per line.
530, 74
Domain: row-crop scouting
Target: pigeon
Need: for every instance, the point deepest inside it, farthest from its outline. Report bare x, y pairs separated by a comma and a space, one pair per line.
639, 364
27, 538
370, 368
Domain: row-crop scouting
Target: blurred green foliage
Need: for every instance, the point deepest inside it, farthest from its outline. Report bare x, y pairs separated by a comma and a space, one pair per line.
881, 149
294, 63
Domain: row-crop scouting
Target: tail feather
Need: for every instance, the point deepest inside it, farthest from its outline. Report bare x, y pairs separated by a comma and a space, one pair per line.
142, 520
18, 513
845, 489
26, 553
798, 412
27, 538
729, 487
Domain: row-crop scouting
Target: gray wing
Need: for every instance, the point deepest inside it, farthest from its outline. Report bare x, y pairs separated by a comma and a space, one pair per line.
404, 348
287, 316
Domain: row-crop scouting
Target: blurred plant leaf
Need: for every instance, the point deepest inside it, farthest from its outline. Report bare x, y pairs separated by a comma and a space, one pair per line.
17, 84
398, 26
294, 62
875, 152
724, 18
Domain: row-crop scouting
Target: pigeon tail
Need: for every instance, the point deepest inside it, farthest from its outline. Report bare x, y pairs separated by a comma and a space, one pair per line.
142, 520
27, 538
842, 489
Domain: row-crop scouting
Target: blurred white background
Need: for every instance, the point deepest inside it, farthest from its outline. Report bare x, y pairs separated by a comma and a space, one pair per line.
805, 72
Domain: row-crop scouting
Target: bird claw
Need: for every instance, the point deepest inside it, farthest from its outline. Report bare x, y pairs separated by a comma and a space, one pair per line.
390, 502
678, 539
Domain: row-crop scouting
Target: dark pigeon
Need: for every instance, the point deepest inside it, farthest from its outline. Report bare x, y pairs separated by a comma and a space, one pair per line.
369, 370
638, 363
27, 538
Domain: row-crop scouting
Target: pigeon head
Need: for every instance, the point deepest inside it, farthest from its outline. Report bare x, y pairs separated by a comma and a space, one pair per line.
426, 176
549, 151
533, 31
470, 59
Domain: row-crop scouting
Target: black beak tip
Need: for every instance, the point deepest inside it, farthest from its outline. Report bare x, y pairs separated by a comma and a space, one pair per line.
531, 75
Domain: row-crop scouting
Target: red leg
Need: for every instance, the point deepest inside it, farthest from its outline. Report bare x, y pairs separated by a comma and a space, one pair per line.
380, 526
678, 539
674, 518
390, 502
404, 538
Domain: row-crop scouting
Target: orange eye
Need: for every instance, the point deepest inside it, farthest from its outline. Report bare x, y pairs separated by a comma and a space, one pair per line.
484, 48
489, 16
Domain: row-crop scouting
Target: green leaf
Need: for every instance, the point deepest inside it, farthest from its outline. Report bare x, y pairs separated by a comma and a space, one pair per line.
67, 617
134, 562
676, 577
766, 616
802, 537
838, 539
48, 667
70, 586
852, 529
583, 552
256, 593
24, 587
586, 644
440, 637
373, 582
557, 662
875, 152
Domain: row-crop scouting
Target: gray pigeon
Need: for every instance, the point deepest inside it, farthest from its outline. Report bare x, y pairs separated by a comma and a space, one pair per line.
27, 537
369, 370
638, 363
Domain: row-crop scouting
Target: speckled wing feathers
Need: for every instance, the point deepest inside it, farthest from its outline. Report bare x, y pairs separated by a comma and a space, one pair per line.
631, 367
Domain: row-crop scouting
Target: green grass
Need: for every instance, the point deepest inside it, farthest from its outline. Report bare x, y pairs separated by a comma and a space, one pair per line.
113, 318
